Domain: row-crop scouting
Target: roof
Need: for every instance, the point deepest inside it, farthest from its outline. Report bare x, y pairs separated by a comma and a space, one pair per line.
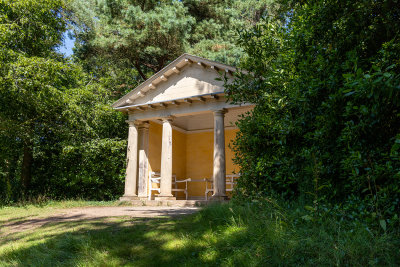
171, 69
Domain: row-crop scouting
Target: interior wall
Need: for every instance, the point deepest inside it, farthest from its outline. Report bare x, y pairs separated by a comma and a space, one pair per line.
231, 168
199, 158
179, 154
155, 141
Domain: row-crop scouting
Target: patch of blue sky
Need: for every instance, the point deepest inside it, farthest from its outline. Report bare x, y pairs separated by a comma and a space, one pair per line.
67, 46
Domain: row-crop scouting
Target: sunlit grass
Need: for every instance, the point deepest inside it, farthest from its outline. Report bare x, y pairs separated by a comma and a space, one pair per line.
219, 235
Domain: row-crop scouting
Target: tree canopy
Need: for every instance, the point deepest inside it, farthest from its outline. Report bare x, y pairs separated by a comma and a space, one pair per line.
146, 35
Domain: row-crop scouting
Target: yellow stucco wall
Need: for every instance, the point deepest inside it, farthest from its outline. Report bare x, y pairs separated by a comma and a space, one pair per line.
192, 156
155, 134
231, 168
199, 158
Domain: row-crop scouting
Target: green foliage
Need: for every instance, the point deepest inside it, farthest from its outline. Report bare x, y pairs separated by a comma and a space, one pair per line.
326, 126
58, 133
31, 27
91, 170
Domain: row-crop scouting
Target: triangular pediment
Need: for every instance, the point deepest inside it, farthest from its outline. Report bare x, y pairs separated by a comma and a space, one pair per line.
192, 81
185, 77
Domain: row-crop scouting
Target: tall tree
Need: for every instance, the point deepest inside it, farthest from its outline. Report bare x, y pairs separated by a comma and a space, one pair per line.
143, 34
31, 80
146, 35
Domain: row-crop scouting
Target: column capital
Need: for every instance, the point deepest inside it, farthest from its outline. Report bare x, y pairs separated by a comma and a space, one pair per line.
133, 123
220, 112
144, 125
168, 119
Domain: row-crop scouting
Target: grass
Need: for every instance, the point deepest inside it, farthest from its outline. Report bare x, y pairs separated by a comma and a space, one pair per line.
219, 235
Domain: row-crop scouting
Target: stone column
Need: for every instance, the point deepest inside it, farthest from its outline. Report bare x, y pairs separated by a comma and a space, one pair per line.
143, 159
131, 163
219, 172
166, 162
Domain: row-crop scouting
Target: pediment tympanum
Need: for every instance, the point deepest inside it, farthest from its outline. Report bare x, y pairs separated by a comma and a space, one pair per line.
187, 76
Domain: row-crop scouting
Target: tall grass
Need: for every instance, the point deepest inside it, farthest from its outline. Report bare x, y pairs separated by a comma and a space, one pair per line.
268, 235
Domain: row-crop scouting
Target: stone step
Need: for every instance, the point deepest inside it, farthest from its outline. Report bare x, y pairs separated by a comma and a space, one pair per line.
168, 203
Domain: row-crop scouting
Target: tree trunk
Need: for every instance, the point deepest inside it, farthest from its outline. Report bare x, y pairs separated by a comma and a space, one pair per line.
141, 73
10, 178
26, 168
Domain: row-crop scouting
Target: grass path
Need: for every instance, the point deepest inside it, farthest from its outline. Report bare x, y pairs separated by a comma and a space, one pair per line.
15, 215
18, 224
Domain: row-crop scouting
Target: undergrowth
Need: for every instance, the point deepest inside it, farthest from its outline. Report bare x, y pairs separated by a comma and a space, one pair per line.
272, 234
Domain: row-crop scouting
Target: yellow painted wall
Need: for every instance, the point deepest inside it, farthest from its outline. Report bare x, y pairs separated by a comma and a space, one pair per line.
199, 158
179, 154
231, 168
179, 159
155, 135
192, 156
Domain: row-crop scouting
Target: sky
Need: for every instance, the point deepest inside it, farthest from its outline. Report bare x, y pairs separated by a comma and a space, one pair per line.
66, 48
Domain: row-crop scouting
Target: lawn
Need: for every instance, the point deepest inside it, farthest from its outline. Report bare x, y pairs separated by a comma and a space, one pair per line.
218, 235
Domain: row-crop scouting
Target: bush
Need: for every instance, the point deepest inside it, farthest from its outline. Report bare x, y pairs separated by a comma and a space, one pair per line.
326, 126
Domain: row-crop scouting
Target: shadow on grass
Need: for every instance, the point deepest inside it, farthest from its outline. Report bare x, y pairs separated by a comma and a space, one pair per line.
7, 222
29, 223
122, 241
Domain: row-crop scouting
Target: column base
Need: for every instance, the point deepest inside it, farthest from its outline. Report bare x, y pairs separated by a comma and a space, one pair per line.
219, 198
165, 197
128, 198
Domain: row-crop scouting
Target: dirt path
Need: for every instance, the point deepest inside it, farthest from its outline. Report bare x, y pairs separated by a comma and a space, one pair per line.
90, 213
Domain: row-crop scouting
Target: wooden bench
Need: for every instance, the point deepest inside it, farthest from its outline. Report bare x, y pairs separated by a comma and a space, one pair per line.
230, 183
155, 177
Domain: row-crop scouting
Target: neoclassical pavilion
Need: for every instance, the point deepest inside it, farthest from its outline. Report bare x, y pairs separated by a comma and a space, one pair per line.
180, 125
